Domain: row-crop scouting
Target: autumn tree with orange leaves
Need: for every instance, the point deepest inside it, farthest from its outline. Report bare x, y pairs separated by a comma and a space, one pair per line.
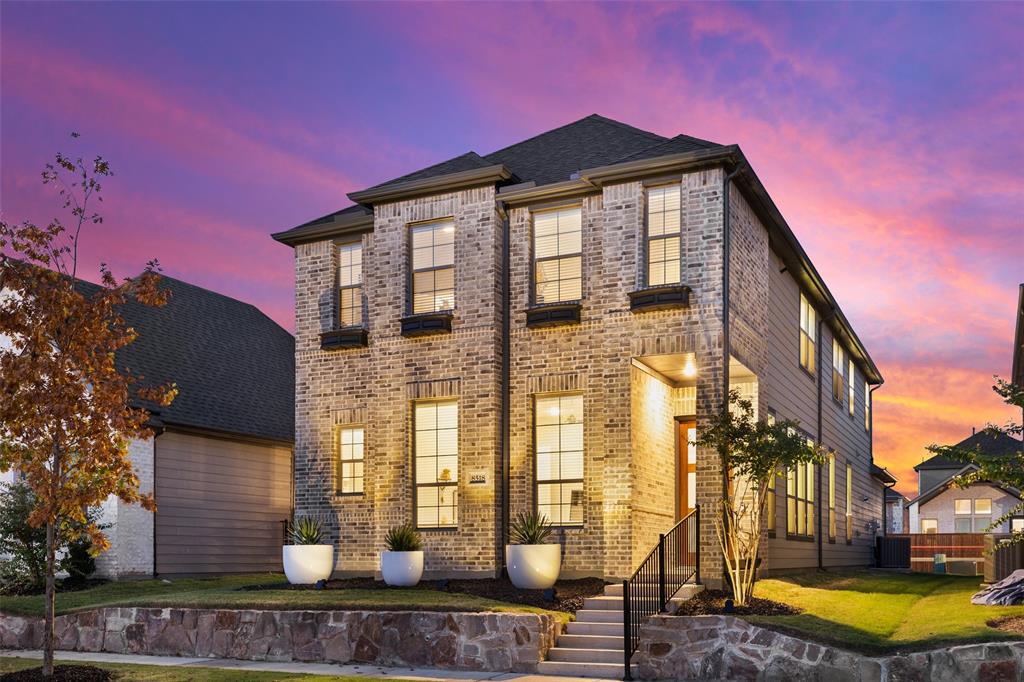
67, 411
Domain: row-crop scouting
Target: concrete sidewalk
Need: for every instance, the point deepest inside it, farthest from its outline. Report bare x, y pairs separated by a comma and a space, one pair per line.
367, 671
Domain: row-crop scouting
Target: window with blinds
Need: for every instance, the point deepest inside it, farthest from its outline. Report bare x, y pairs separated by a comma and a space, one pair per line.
350, 456
558, 441
852, 384
849, 503
664, 227
433, 266
867, 407
557, 256
436, 454
350, 284
831, 497
808, 334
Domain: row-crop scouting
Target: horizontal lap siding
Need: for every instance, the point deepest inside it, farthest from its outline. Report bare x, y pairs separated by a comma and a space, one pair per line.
220, 504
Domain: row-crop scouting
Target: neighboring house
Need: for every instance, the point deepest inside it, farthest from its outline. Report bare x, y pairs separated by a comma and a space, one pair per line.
220, 462
547, 327
943, 507
897, 516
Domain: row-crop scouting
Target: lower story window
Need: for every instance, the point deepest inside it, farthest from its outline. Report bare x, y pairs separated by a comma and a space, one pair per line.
558, 441
436, 449
800, 500
350, 455
929, 526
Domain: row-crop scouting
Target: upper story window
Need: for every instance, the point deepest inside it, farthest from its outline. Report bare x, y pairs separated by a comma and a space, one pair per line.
350, 284
436, 450
663, 235
838, 361
808, 334
558, 438
433, 266
350, 460
867, 407
557, 256
852, 375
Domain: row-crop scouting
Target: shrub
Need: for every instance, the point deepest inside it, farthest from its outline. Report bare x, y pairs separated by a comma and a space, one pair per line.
24, 544
529, 528
403, 538
79, 562
307, 530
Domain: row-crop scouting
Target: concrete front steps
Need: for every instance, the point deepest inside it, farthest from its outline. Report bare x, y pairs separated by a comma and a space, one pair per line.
592, 644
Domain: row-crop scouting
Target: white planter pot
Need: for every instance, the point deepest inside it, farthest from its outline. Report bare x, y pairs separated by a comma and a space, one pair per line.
306, 564
533, 567
401, 569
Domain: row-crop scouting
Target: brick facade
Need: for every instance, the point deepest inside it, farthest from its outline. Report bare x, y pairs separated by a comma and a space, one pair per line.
129, 527
630, 441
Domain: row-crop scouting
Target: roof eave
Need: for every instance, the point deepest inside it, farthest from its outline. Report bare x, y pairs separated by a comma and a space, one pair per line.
440, 183
662, 164
344, 225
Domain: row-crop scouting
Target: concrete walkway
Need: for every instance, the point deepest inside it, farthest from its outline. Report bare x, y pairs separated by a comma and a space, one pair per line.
368, 671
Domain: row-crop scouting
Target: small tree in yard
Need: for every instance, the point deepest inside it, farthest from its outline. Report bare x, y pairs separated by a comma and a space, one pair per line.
1006, 469
67, 413
753, 453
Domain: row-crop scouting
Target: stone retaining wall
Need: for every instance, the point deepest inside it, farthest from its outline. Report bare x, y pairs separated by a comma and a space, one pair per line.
498, 642
725, 647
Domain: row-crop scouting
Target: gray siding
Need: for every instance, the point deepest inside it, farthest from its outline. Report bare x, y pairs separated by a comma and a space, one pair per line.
929, 478
220, 504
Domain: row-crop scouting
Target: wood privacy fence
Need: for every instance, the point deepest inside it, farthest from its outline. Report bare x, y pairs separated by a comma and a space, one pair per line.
1001, 562
965, 552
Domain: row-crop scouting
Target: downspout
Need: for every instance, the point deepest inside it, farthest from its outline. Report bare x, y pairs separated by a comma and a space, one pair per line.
506, 362
818, 483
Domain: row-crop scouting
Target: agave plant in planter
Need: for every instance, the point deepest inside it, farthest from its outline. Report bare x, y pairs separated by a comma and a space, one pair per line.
533, 563
307, 560
401, 564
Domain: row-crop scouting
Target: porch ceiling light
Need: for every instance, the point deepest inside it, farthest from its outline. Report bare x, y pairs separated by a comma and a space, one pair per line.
689, 369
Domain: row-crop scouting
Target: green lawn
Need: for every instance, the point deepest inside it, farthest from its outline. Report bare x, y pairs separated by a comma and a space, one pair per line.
158, 673
223, 592
878, 612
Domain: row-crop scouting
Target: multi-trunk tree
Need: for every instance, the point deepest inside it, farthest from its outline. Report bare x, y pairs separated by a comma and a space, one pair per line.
67, 410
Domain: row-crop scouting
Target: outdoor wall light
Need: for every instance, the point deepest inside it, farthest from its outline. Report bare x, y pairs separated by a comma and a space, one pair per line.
689, 369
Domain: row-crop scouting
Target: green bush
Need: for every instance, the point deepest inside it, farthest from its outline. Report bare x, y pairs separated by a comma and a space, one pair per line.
307, 530
529, 528
403, 538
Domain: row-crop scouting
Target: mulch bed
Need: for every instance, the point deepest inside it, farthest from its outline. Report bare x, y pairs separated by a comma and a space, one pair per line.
568, 595
1012, 624
61, 673
712, 603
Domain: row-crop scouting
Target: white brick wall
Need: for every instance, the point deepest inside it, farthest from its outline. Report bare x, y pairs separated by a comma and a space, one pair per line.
130, 526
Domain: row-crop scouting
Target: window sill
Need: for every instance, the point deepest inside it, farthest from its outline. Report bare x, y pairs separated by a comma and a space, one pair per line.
424, 324
810, 375
348, 337
800, 538
660, 298
339, 494
553, 314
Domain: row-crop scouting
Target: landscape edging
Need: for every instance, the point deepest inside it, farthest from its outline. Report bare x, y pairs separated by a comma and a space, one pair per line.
487, 641
727, 647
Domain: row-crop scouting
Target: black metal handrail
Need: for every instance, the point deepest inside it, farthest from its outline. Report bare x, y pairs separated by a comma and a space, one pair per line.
669, 566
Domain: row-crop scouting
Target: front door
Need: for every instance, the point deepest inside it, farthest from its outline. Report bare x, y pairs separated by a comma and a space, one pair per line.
687, 484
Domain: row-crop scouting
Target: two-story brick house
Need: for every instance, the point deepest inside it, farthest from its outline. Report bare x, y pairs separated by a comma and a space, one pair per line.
546, 327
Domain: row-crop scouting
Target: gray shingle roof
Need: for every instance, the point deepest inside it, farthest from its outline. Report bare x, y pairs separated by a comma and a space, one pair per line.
557, 154
990, 444
234, 366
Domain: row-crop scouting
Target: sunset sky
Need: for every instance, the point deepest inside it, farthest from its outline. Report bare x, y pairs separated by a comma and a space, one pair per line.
889, 135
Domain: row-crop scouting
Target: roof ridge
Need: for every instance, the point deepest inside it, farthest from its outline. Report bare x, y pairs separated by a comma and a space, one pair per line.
690, 138
593, 117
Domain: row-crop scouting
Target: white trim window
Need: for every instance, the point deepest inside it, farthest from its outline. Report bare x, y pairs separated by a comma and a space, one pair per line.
558, 255
808, 334
433, 266
849, 503
436, 455
851, 386
929, 526
350, 459
350, 284
558, 440
800, 500
664, 232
